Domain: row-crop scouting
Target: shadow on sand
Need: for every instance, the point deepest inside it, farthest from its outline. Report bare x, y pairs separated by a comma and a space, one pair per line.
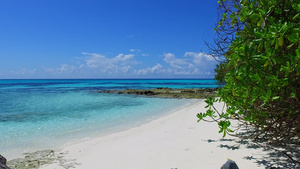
274, 158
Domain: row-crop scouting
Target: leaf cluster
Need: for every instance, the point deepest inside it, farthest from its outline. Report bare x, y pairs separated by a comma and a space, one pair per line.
260, 43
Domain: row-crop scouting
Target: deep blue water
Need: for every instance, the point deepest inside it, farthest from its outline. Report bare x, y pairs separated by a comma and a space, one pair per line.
41, 114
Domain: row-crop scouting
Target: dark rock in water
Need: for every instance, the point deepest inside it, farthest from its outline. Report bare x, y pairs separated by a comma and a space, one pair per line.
33, 160
3, 163
2, 159
168, 92
230, 165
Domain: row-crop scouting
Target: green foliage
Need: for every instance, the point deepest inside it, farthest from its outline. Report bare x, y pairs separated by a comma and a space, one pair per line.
261, 70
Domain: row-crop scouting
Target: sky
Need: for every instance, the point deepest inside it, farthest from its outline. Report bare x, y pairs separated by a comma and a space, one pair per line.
106, 38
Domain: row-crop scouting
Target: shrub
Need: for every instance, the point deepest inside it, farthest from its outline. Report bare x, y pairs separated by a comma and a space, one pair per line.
258, 46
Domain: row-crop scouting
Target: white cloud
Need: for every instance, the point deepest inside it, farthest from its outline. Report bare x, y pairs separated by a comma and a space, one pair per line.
190, 64
138, 52
122, 58
64, 68
95, 60
125, 69
173, 61
179, 66
24, 71
158, 68
200, 58
103, 65
134, 50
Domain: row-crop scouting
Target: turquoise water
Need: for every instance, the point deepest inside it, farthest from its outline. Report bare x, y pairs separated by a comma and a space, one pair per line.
43, 114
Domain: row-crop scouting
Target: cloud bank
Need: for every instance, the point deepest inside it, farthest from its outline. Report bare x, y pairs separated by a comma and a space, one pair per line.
131, 65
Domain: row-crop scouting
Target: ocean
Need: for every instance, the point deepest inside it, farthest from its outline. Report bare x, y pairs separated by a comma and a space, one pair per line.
46, 114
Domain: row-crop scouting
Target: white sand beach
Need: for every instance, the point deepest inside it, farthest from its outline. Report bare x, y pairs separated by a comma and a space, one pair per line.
173, 141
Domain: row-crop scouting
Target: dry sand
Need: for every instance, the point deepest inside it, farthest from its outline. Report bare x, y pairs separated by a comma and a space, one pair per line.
172, 141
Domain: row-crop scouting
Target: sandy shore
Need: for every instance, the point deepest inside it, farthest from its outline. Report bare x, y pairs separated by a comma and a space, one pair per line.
172, 141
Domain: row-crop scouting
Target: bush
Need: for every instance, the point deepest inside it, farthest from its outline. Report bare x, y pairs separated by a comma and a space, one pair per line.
258, 46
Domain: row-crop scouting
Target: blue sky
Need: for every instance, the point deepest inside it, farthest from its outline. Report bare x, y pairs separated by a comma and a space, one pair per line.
106, 38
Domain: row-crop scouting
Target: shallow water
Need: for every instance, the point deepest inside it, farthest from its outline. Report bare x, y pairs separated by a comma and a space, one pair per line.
43, 114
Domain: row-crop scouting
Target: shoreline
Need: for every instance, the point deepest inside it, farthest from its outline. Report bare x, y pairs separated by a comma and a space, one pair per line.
174, 140
59, 140
127, 127
46, 154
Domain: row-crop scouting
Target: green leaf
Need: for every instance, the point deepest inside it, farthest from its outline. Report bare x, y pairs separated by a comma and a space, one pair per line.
298, 53
252, 4
259, 23
233, 92
280, 40
291, 45
229, 130
264, 3
200, 117
255, 16
257, 34
224, 133
261, 12
210, 113
240, 49
296, 16
224, 15
293, 37
266, 63
273, 41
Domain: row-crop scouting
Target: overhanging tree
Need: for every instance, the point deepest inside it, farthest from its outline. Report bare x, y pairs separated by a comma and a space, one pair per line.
258, 46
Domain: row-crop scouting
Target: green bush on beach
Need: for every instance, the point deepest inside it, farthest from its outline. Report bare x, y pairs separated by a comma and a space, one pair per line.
258, 46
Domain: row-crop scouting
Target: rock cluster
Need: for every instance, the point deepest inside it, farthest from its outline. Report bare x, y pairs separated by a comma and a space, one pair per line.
168, 92
37, 159
230, 165
3, 163
33, 160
